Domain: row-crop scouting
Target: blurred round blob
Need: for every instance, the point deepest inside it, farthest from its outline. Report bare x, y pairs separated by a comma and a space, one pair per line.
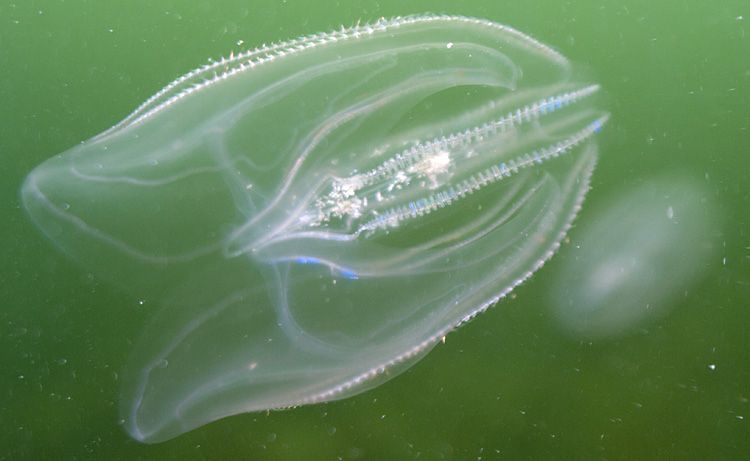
634, 257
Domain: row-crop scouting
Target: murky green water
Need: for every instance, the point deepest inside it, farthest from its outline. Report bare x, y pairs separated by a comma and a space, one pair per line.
664, 375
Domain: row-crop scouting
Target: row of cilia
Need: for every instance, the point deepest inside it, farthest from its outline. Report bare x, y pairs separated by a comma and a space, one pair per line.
224, 68
349, 197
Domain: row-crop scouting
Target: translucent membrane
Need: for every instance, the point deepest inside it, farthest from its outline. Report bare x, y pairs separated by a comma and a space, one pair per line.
638, 258
311, 217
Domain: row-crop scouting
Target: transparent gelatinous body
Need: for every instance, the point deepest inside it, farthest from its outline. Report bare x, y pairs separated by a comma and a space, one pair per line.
312, 217
632, 262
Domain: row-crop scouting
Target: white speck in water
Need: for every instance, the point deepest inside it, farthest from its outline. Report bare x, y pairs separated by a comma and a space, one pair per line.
449, 45
163, 363
670, 212
712, 366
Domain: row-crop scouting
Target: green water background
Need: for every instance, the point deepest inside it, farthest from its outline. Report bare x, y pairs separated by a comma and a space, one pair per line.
511, 384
